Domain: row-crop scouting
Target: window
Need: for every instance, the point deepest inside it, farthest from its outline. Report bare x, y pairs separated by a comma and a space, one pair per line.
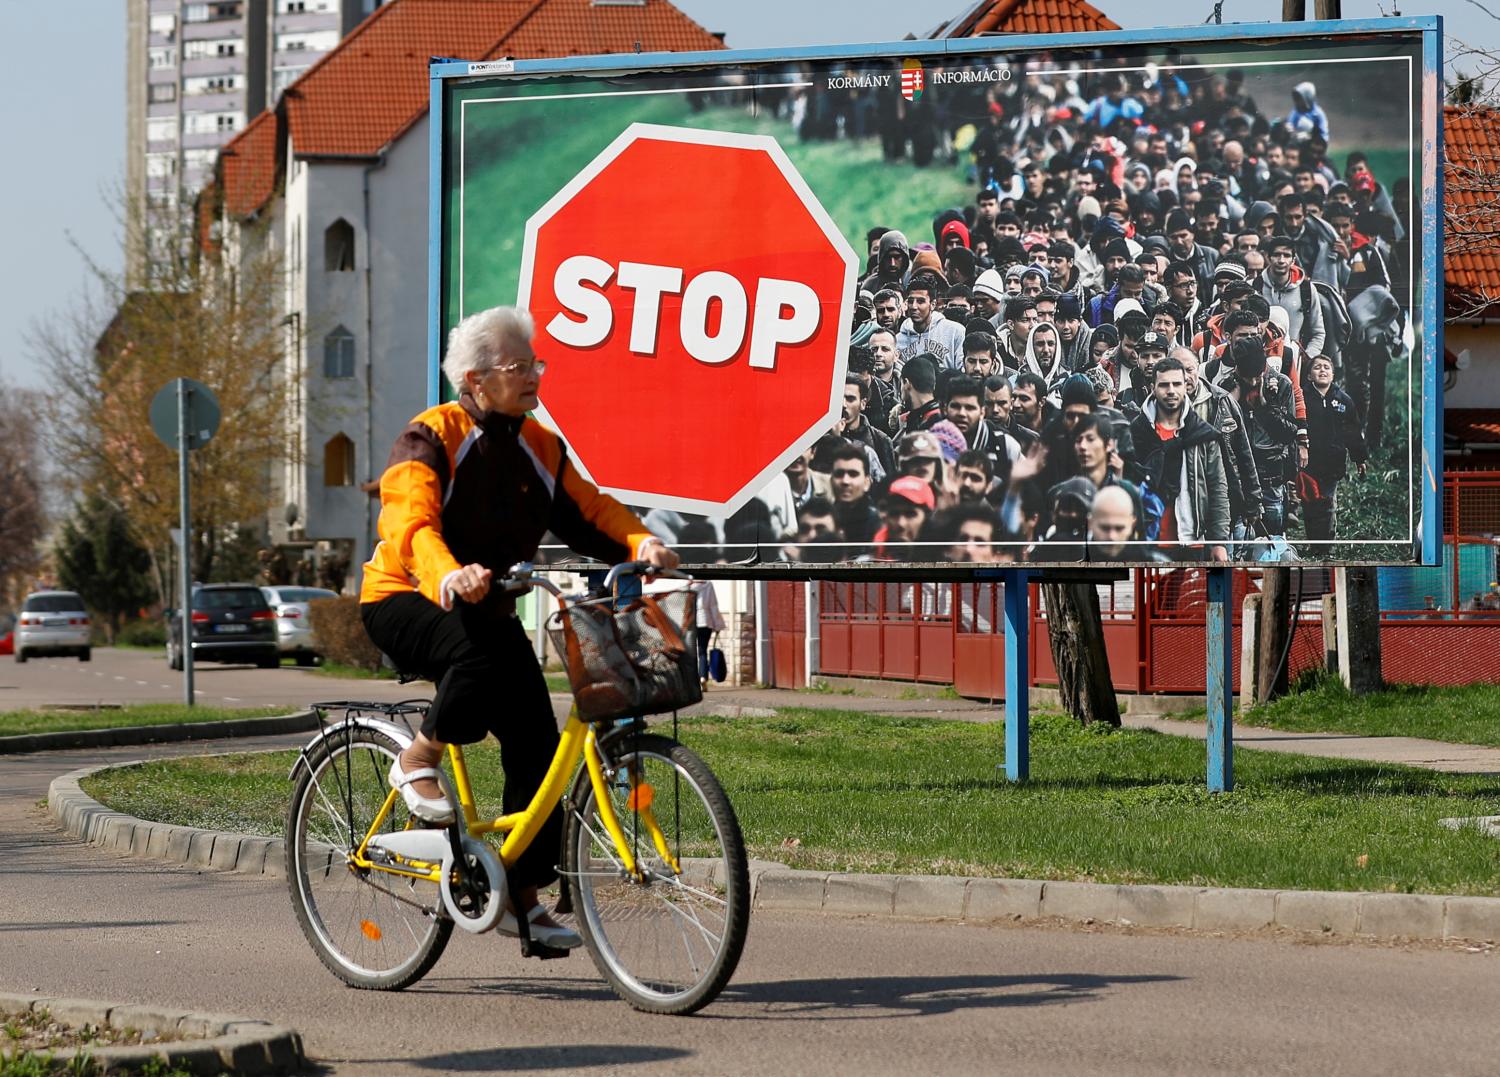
310, 41
284, 77
210, 84
338, 247
164, 25
338, 354
210, 48
195, 13
163, 92
162, 57
161, 129
209, 123
161, 165
199, 160
338, 461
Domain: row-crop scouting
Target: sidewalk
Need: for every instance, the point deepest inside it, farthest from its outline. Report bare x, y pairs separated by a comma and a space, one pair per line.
1408, 751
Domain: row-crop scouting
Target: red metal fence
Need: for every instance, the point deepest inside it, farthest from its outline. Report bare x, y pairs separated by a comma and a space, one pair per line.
1439, 626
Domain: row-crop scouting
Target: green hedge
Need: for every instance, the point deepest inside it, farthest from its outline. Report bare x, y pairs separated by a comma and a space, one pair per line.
143, 633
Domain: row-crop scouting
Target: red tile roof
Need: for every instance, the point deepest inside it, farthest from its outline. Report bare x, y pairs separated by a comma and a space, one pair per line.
364, 94
1471, 140
248, 166
1029, 17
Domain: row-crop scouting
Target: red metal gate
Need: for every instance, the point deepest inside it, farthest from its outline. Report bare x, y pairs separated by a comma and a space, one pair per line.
1154, 623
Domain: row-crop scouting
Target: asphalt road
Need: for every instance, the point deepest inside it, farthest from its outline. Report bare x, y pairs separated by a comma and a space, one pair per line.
120, 676
814, 994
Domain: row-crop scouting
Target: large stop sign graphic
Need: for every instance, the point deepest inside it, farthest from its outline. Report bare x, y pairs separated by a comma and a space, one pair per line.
692, 300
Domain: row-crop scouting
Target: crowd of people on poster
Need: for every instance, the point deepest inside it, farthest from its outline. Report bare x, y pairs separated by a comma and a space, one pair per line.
1159, 329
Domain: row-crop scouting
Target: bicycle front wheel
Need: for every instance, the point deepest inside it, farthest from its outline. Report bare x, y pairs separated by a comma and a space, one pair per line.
667, 940
373, 929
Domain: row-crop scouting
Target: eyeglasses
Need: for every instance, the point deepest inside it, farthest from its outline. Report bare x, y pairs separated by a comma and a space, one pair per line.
522, 369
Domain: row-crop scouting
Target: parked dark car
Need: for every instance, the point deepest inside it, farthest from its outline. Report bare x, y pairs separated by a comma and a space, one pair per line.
232, 622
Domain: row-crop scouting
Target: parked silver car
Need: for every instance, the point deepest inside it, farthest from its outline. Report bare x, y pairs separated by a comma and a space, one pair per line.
294, 634
53, 622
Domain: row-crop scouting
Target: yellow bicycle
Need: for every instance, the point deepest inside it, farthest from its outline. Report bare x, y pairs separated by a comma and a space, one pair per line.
653, 865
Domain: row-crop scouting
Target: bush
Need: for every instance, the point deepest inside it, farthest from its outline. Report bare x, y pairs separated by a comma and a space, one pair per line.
143, 633
339, 635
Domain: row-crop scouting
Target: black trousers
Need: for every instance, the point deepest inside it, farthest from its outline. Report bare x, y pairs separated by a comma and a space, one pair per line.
488, 681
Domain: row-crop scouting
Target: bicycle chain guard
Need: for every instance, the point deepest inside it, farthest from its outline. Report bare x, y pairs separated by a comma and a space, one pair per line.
482, 870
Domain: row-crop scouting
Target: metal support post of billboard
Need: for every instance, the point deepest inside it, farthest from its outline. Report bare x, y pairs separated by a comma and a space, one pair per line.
1017, 584
184, 447
1219, 624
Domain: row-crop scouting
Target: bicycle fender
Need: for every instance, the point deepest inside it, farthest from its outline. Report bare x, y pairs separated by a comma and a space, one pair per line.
400, 734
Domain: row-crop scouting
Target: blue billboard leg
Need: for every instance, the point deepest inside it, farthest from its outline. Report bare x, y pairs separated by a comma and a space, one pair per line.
1220, 682
1017, 675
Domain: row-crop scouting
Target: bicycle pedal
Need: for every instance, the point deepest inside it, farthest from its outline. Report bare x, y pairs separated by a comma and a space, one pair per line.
532, 948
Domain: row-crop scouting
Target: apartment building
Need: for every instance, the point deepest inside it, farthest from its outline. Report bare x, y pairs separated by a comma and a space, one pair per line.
196, 72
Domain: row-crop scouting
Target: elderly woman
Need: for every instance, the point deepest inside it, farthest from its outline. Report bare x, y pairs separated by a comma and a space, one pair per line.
471, 488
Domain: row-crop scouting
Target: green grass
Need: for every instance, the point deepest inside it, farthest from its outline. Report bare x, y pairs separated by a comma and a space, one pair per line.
13, 723
328, 668
1465, 715
520, 154
838, 790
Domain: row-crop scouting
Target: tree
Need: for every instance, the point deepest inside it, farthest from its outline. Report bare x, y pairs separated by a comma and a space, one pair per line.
194, 310
22, 516
1075, 629
98, 556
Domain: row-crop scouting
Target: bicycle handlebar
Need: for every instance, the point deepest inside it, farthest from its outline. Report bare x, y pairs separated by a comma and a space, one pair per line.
524, 575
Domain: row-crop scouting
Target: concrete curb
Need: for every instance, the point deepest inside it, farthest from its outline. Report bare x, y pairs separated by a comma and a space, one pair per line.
221, 1043
775, 887
301, 722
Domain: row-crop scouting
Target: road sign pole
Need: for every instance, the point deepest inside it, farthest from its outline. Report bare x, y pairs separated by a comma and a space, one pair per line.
184, 446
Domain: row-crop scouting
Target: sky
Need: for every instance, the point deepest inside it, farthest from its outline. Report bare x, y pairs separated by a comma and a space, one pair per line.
64, 89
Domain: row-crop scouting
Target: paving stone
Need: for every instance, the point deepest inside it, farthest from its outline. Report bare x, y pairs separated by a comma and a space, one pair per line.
179, 844
1234, 910
200, 849
1157, 906
140, 840
931, 895
1475, 918
1080, 901
244, 1054
207, 1025
156, 841
11, 1003
799, 890
78, 1012
226, 852
252, 855
158, 1019
275, 865
1318, 910
123, 1059
1418, 916
1003, 899
860, 893
284, 1049
195, 1057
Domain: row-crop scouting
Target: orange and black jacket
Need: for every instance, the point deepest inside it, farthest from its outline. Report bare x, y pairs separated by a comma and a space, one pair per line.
463, 487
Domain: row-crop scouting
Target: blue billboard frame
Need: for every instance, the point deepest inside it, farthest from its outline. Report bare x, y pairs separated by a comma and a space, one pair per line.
446, 72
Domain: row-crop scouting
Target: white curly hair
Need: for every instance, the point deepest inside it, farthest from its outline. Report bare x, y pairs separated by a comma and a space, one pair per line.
482, 340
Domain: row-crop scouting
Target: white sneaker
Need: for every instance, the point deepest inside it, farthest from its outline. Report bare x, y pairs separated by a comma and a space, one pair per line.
559, 938
428, 809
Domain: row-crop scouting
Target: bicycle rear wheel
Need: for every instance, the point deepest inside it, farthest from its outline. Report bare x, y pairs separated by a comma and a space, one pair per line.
372, 929
669, 942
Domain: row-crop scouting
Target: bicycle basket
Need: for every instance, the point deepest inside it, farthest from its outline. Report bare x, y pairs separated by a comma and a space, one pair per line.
642, 659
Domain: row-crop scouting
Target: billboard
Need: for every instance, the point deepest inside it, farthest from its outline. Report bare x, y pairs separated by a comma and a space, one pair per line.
1126, 298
